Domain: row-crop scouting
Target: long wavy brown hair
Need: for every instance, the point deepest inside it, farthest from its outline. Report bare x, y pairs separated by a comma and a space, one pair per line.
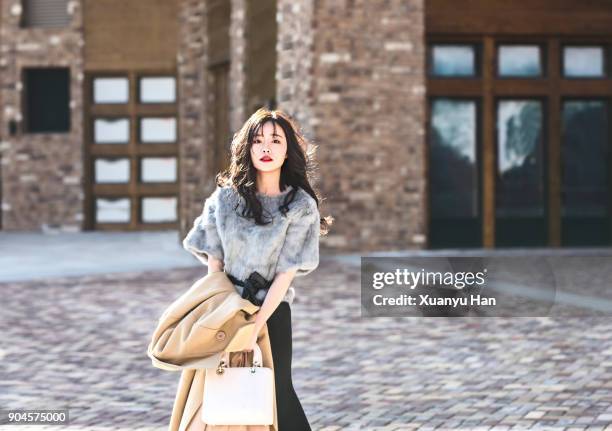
297, 170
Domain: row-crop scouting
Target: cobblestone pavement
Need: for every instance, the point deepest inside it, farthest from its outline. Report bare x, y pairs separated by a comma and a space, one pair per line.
80, 343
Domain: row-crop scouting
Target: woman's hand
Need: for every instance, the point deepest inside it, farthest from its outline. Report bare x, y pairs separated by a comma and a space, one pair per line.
252, 340
275, 294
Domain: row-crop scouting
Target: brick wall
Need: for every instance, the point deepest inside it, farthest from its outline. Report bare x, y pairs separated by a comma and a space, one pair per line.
238, 59
354, 76
194, 160
42, 179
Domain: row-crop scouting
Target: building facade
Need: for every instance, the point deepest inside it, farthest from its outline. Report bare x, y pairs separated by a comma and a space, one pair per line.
487, 126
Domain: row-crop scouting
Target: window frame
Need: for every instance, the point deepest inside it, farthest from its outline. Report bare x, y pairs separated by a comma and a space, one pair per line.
551, 88
134, 150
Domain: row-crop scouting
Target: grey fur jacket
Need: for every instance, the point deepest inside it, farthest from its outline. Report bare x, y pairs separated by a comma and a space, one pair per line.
288, 242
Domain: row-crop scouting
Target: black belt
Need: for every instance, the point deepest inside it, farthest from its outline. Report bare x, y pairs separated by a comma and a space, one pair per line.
251, 286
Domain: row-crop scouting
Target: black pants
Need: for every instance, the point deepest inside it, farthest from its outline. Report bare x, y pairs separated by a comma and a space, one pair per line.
291, 416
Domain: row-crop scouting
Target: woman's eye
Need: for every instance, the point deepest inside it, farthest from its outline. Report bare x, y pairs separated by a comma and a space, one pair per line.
276, 140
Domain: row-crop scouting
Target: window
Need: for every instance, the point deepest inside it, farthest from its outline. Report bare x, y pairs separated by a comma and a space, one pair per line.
158, 169
111, 130
585, 191
113, 210
520, 154
519, 61
159, 209
112, 170
157, 130
46, 102
583, 61
110, 90
454, 144
454, 190
453, 60
157, 89
520, 195
45, 13
131, 130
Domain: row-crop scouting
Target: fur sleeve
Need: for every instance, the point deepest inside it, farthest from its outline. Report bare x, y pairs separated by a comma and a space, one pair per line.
203, 238
300, 249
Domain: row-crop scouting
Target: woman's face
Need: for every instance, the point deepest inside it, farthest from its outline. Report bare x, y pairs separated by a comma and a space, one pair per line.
269, 149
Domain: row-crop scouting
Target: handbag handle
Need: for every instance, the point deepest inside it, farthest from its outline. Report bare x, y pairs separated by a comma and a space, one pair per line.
257, 359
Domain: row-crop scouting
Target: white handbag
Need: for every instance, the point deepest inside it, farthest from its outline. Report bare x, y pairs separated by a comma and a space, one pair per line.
239, 395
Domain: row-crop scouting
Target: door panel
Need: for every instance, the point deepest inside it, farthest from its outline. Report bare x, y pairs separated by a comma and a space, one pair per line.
520, 189
585, 189
131, 148
454, 174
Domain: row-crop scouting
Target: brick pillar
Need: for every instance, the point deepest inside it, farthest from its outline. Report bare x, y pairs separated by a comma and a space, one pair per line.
194, 159
295, 61
42, 173
238, 61
353, 73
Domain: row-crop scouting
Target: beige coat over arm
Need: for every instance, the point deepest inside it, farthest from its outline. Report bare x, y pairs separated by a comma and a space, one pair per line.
192, 334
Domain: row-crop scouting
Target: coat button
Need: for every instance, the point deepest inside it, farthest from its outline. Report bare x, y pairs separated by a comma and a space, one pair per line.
220, 336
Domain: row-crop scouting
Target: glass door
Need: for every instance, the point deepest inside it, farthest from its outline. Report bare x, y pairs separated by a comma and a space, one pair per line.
520, 206
454, 179
585, 173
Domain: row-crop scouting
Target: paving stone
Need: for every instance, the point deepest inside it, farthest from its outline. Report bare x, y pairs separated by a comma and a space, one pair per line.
80, 343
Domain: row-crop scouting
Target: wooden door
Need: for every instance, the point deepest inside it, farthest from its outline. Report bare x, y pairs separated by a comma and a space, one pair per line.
131, 146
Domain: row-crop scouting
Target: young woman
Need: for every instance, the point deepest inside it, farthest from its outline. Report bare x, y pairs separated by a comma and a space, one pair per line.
261, 226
